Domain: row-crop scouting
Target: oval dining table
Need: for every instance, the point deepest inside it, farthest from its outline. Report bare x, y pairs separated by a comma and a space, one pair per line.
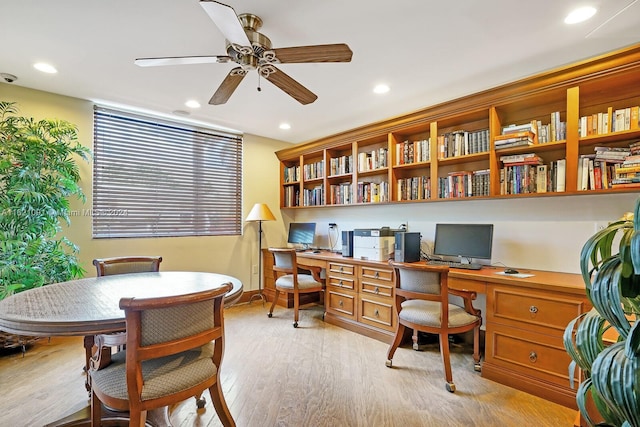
90, 306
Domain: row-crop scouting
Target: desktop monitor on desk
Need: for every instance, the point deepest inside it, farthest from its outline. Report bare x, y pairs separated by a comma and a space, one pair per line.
302, 233
465, 241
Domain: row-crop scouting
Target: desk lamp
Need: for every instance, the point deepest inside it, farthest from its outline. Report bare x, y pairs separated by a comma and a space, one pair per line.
260, 212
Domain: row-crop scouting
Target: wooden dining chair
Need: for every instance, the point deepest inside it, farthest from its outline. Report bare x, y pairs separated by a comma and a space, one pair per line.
290, 281
174, 350
423, 303
127, 264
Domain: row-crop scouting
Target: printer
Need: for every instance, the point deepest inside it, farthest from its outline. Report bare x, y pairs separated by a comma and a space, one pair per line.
373, 244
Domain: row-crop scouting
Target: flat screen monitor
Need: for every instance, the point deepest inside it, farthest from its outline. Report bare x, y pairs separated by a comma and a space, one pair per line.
302, 233
464, 240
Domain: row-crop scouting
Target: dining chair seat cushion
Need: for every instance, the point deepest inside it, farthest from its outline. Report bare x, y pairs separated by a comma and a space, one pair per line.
161, 376
305, 281
427, 313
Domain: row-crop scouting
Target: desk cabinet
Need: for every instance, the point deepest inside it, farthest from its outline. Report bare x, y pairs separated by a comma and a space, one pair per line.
524, 346
341, 293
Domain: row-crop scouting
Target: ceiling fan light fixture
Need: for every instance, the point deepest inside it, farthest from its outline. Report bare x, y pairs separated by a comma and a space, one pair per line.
580, 14
381, 89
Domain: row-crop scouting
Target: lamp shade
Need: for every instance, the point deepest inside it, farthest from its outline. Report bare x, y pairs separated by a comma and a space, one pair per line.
260, 212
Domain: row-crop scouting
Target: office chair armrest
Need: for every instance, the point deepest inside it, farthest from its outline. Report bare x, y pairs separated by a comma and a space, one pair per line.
403, 293
315, 271
101, 358
467, 297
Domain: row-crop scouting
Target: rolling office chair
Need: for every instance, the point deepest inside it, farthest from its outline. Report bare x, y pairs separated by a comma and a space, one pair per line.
291, 281
422, 304
175, 347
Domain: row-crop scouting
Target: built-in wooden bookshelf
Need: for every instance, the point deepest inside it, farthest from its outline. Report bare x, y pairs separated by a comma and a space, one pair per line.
384, 162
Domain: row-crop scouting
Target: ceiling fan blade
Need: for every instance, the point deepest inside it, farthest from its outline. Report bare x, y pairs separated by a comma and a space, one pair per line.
318, 53
227, 22
180, 60
228, 86
290, 86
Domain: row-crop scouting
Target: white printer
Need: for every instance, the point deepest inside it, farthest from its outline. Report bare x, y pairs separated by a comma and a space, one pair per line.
373, 244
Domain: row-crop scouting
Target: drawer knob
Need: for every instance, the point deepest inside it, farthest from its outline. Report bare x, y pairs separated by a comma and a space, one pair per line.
533, 309
341, 269
340, 303
533, 357
341, 284
376, 313
376, 290
377, 275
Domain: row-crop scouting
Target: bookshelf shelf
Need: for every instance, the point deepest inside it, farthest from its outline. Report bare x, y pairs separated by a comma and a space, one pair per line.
415, 158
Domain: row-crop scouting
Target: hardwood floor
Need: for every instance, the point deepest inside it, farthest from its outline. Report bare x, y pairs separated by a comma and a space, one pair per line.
274, 375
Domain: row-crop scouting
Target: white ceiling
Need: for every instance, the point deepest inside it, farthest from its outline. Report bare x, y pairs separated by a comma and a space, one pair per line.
427, 52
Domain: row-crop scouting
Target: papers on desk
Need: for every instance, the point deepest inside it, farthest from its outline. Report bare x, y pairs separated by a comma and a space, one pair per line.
519, 275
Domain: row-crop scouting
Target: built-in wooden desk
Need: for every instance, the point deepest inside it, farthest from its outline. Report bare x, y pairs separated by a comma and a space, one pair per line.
525, 317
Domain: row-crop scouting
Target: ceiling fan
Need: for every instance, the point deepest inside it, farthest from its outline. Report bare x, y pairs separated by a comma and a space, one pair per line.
252, 50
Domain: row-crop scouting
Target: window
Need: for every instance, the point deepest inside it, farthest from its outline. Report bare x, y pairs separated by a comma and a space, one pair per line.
154, 178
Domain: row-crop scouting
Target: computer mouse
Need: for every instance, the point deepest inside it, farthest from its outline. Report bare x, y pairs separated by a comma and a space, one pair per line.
510, 271
316, 251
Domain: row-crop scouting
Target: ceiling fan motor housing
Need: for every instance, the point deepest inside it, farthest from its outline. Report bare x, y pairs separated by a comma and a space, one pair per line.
259, 43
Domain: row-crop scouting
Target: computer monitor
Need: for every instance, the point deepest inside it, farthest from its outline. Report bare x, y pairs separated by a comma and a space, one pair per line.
302, 233
465, 241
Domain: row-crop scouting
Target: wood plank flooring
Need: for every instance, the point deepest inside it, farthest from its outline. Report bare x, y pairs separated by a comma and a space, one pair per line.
274, 375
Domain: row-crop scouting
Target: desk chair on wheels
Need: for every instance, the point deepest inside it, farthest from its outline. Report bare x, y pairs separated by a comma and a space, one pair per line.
290, 281
423, 304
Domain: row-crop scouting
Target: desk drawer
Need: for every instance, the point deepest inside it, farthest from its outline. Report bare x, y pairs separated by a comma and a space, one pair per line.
540, 356
376, 274
341, 282
376, 312
544, 312
346, 269
341, 303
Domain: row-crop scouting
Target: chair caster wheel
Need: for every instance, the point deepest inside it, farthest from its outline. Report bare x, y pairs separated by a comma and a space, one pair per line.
295, 324
451, 387
477, 367
389, 363
269, 315
416, 347
200, 403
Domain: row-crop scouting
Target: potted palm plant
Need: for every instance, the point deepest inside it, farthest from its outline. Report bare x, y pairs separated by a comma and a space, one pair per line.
38, 175
605, 342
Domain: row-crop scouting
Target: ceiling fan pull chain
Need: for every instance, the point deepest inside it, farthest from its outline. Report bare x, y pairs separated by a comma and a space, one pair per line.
259, 89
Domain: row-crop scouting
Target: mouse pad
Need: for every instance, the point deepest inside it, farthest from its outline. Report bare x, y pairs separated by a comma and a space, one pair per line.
520, 275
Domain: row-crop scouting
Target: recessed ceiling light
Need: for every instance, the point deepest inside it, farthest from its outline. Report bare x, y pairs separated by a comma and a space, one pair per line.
381, 88
285, 126
45, 68
580, 14
181, 113
192, 103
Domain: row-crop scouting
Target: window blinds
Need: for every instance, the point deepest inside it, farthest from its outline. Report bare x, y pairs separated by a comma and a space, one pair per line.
154, 178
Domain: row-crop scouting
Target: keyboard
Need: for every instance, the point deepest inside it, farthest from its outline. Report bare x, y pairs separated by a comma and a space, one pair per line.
455, 264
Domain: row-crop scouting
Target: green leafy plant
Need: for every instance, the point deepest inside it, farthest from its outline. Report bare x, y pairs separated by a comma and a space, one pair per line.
38, 175
611, 370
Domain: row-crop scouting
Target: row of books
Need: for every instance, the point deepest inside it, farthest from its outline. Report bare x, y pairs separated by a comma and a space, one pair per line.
313, 196
372, 192
413, 152
414, 188
464, 184
373, 160
609, 121
609, 167
291, 196
291, 174
314, 170
340, 194
523, 177
340, 165
462, 142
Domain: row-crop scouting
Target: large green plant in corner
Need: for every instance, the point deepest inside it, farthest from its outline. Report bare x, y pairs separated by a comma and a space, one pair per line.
611, 370
38, 175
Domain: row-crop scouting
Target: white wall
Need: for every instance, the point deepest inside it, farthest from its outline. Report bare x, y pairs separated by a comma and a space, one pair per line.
544, 233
